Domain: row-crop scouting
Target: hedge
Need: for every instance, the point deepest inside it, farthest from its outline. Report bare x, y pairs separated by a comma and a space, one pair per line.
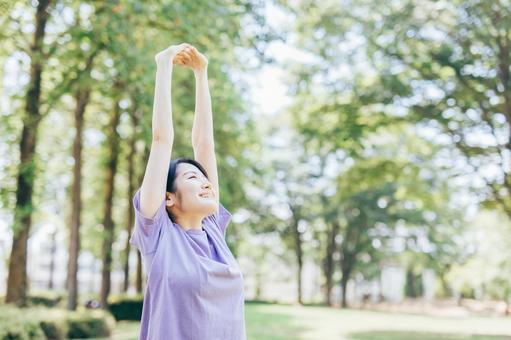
52, 323
125, 307
45, 298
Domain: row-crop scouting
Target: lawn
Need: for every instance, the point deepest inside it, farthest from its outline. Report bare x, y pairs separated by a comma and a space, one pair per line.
278, 322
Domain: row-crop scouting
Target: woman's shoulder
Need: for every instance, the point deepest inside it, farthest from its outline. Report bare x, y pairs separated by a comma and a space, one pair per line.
148, 231
219, 219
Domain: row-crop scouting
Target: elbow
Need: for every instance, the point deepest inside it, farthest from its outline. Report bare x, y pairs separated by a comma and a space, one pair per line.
161, 137
203, 142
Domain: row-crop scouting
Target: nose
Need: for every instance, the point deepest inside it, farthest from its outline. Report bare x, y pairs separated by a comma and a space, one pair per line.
206, 185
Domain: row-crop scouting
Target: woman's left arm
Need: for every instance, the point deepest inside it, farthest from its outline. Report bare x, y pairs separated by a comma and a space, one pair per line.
202, 131
203, 141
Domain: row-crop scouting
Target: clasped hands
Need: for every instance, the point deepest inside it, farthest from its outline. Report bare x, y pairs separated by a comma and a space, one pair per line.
183, 54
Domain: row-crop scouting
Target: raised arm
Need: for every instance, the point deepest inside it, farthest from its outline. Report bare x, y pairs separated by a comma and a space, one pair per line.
153, 186
202, 131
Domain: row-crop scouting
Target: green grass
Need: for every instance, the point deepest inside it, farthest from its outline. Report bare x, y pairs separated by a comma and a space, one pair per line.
267, 321
389, 335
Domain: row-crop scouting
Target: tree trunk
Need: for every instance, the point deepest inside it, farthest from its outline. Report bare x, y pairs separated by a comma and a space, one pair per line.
130, 219
131, 192
113, 146
138, 277
347, 264
138, 280
349, 251
259, 277
329, 262
299, 256
82, 99
53, 251
346, 272
17, 285
411, 283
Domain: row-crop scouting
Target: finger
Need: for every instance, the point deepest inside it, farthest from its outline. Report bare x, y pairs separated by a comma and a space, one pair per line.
183, 61
184, 51
185, 55
195, 52
180, 58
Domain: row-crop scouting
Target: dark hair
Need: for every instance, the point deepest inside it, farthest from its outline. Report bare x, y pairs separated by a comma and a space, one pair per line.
171, 176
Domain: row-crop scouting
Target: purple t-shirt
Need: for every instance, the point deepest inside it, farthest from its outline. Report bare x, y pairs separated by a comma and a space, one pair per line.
194, 284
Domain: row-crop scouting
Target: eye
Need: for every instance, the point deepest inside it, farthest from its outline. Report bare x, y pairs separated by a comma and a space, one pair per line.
192, 177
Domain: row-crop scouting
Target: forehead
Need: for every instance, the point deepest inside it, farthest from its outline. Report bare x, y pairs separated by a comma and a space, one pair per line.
183, 168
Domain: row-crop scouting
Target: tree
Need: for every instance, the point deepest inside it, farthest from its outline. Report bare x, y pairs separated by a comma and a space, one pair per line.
82, 86
347, 101
489, 239
451, 61
17, 277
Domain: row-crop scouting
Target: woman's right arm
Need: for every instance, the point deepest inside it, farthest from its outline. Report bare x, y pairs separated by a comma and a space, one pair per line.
153, 188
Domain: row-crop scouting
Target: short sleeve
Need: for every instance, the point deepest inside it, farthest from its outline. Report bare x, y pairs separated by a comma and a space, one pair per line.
146, 233
221, 219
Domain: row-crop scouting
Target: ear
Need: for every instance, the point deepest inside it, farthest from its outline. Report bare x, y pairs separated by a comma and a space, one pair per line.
170, 199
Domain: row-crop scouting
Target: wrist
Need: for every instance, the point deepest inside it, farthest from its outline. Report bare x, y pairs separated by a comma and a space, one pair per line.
164, 63
201, 71
164, 68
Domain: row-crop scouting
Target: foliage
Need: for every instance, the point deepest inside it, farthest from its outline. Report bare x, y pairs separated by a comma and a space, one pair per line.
126, 307
396, 96
490, 239
108, 48
89, 324
52, 323
46, 299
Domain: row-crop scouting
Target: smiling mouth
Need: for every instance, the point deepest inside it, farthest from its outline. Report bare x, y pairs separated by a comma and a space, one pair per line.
205, 195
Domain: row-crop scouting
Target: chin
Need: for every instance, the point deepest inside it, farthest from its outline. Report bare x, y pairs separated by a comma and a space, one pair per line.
209, 206
214, 206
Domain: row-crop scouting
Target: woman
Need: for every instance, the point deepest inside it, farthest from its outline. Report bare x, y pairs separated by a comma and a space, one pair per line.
195, 286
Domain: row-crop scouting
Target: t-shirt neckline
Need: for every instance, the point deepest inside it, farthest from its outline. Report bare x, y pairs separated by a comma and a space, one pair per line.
191, 231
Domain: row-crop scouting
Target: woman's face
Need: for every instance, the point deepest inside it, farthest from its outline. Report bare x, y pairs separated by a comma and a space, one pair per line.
194, 192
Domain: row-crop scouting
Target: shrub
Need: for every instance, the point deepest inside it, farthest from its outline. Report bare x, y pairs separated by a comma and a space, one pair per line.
46, 299
54, 329
126, 308
13, 325
52, 323
90, 324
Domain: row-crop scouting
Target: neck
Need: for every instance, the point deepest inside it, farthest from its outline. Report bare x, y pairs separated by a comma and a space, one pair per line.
190, 222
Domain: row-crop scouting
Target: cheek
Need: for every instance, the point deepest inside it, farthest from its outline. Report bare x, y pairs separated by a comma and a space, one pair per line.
189, 190
190, 186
